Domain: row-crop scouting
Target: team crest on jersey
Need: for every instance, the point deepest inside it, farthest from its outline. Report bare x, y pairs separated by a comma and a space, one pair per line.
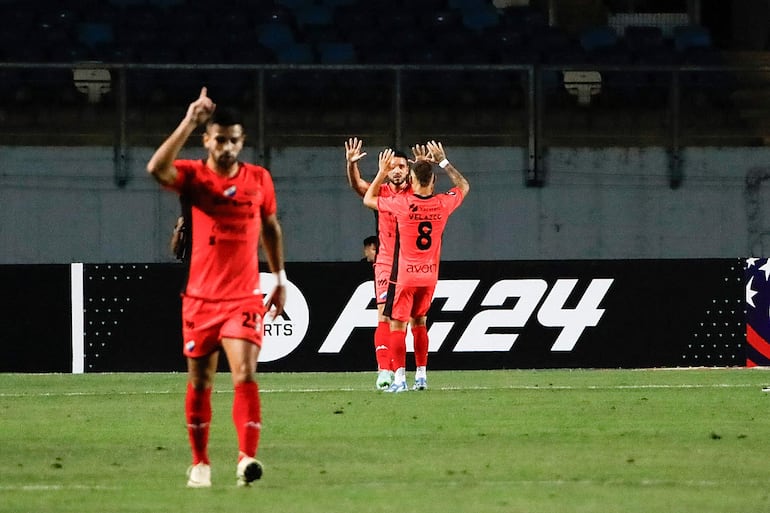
230, 191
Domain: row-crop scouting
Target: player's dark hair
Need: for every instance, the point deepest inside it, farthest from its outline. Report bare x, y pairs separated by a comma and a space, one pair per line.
400, 154
226, 117
423, 172
372, 239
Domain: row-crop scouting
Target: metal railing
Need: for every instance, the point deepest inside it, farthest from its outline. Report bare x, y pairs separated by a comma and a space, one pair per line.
529, 106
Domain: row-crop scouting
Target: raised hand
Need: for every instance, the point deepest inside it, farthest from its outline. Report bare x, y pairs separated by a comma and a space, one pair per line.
436, 150
421, 152
353, 151
201, 109
385, 160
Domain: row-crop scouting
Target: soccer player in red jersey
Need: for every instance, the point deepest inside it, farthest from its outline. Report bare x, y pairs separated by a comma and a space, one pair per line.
420, 220
231, 202
397, 184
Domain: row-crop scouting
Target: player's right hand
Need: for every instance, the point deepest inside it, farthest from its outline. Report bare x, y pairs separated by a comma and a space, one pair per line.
353, 151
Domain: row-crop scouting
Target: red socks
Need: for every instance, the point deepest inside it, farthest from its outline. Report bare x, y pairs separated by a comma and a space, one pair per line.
198, 415
381, 343
420, 334
247, 417
398, 349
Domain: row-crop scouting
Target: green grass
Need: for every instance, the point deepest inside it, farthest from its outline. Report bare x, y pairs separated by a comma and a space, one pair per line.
550, 441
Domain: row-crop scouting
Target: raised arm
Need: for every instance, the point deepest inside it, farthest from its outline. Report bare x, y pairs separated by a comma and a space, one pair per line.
373, 192
161, 164
438, 155
353, 154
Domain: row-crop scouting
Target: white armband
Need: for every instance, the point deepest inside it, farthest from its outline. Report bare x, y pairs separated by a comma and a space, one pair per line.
443, 164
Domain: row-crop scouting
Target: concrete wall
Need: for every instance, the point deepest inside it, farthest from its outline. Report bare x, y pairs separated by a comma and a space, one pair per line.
61, 205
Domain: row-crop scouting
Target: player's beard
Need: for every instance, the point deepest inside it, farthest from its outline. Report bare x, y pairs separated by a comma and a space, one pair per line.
226, 160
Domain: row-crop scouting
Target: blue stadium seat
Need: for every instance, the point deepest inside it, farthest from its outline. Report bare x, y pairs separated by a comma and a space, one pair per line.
94, 33
336, 53
295, 53
480, 19
275, 35
691, 36
597, 38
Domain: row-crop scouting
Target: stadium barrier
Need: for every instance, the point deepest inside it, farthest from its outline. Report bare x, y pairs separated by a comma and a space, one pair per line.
485, 315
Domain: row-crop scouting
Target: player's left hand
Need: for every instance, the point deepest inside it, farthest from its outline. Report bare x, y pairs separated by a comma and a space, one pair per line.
385, 161
276, 301
421, 152
436, 150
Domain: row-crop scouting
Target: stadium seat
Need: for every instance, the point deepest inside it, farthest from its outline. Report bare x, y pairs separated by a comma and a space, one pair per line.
336, 53
597, 38
295, 53
94, 33
691, 36
480, 19
313, 14
275, 35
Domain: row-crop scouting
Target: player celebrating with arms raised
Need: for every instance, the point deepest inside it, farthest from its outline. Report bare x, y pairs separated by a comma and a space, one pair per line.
222, 304
420, 220
397, 183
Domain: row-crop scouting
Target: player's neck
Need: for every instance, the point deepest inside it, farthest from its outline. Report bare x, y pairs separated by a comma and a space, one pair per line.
424, 191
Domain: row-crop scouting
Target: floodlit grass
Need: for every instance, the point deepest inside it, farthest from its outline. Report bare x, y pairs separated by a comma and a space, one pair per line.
546, 441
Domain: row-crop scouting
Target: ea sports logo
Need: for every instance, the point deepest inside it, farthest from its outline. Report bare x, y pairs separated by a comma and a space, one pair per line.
284, 333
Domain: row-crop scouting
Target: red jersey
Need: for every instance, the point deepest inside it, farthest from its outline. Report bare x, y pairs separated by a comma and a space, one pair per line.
226, 222
421, 221
386, 226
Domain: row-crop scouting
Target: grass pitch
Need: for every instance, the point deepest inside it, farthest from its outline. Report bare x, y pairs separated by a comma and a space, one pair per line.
546, 441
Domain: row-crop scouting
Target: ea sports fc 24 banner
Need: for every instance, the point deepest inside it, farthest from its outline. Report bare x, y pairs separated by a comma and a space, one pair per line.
485, 315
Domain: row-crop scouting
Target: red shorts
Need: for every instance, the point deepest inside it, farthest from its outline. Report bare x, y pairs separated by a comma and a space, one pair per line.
205, 323
381, 281
409, 302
